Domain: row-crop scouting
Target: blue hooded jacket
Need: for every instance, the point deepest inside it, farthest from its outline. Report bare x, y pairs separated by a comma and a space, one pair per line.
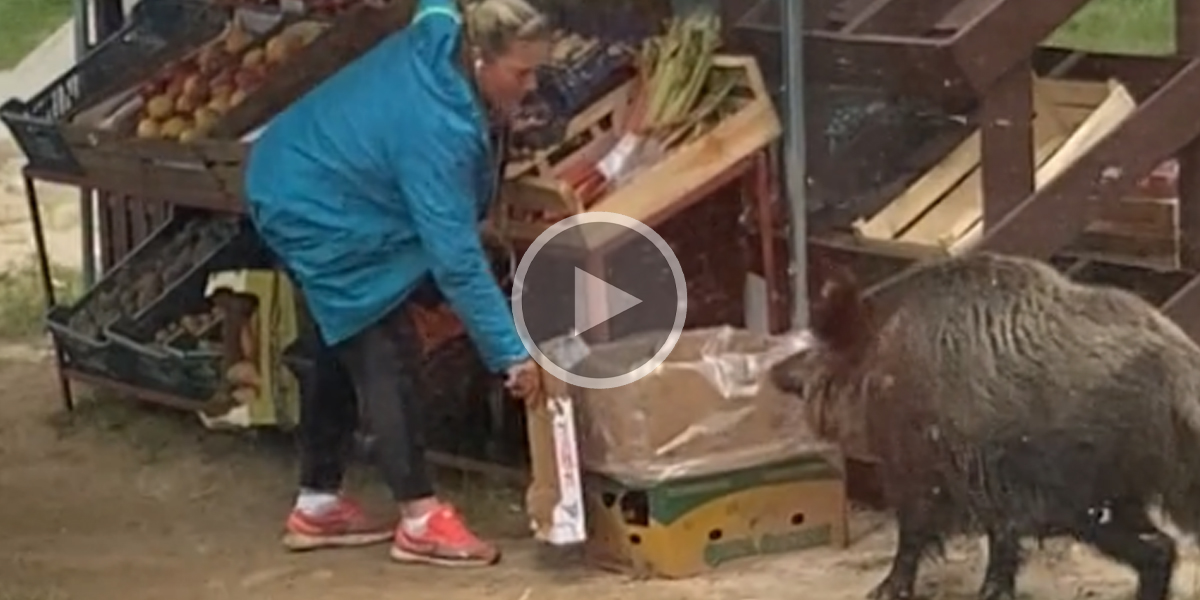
380, 176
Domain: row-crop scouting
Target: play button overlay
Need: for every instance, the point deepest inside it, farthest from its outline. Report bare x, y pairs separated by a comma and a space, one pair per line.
592, 279
616, 301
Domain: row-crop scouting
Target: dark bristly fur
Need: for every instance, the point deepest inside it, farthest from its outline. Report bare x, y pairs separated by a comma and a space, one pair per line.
1003, 398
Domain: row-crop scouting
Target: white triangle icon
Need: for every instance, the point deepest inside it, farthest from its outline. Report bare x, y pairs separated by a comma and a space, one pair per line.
597, 301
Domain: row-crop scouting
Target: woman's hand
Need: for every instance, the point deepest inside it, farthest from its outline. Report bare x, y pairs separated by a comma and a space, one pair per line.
523, 379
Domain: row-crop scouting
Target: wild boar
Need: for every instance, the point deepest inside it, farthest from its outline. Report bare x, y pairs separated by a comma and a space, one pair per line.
1003, 398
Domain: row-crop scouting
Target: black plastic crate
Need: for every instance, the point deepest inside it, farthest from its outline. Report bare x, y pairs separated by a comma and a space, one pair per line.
158, 31
79, 329
187, 366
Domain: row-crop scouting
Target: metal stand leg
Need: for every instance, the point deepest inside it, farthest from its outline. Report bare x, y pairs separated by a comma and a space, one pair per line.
39, 236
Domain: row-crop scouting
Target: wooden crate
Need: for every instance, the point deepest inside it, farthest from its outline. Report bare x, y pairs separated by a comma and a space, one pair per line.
187, 174
208, 173
942, 211
532, 187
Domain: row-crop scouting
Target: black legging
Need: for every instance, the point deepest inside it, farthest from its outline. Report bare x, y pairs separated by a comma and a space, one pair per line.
378, 368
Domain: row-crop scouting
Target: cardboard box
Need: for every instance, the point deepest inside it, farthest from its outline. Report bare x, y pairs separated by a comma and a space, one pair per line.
683, 528
709, 410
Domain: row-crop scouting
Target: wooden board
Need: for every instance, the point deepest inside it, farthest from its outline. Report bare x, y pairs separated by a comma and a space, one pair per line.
961, 167
962, 207
1105, 118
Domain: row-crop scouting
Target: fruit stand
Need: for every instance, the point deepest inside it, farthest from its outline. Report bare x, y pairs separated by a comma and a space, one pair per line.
189, 311
933, 132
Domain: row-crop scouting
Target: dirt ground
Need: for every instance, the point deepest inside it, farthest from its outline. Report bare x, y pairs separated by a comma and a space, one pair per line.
120, 501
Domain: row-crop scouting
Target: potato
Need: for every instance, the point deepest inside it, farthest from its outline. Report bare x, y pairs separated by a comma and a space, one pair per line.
236, 40
174, 127
244, 396
277, 50
243, 374
205, 119
190, 134
160, 106
193, 324
254, 58
148, 129
237, 98
249, 338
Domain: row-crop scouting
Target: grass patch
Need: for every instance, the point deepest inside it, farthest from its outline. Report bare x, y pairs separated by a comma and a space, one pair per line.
22, 302
25, 23
1120, 27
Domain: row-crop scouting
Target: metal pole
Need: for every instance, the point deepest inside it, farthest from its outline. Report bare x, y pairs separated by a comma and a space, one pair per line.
86, 216
794, 154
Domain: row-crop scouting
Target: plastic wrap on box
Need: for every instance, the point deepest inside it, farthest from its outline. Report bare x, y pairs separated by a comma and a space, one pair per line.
709, 408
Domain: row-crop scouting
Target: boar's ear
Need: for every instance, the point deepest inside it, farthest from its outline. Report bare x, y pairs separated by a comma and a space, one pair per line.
838, 316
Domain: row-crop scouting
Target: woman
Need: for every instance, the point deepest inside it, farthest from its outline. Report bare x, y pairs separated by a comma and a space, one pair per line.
372, 183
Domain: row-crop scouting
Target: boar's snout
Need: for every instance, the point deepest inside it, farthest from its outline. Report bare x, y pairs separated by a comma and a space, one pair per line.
792, 373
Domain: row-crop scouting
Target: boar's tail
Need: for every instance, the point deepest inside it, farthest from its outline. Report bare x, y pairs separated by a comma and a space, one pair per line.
1181, 499
838, 315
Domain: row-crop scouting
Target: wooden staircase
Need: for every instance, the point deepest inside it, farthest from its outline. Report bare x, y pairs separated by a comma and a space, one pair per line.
975, 56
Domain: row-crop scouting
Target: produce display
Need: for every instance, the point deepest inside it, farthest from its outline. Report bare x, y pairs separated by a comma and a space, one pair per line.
135, 286
187, 99
579, 72
678, 97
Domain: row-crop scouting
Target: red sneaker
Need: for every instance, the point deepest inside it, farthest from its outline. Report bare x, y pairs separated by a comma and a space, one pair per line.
343, 525
446, 542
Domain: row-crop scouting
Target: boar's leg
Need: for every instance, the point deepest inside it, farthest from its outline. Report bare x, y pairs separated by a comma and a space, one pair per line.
1004, 559
917, 537
1127, 534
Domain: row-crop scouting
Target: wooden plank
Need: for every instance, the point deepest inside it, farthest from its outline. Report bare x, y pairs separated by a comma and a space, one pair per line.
1003, 35
1184, 308
915, 66
1073, 116
958, 166
1187, 43
1071, 93
1159, 214
927, 189
958, 212
900, 17
120, 227
1114, 244
1107, 117
1008, 161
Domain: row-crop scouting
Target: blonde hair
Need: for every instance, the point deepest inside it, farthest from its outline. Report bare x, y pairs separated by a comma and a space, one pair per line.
493, 25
